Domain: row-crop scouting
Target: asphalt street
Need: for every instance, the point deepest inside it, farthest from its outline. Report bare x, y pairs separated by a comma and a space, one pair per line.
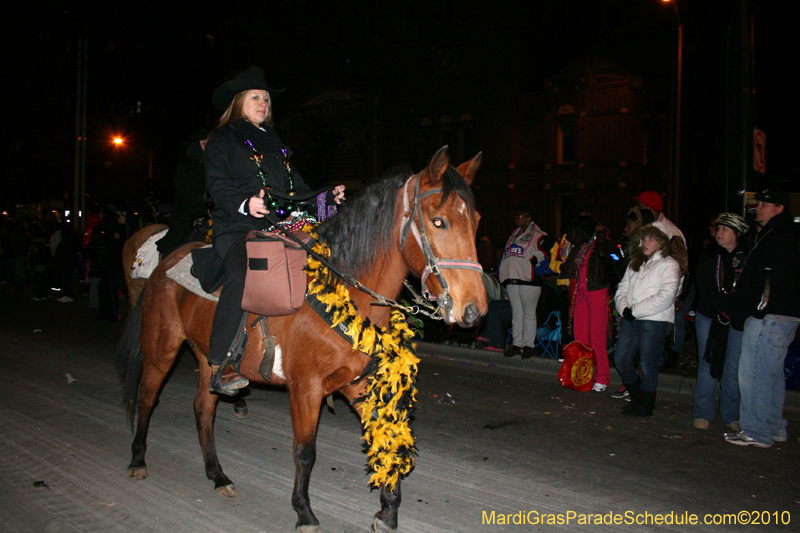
500, 442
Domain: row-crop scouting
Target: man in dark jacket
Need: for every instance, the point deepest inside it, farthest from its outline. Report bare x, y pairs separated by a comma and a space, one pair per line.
767, 306
188, 206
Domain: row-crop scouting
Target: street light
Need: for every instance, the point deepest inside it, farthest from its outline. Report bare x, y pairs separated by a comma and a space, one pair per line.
675, 162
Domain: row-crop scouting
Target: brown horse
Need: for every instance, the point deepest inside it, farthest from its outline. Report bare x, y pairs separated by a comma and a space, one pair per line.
365, 242
129, 249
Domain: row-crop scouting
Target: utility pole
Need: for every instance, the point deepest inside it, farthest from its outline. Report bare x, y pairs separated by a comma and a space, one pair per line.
79, 185
673, 189
742, 104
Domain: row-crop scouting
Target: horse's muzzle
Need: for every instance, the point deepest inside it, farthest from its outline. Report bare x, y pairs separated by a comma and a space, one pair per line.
470, 316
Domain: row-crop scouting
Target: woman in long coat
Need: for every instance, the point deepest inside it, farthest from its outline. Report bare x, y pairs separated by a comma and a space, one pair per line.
244, 160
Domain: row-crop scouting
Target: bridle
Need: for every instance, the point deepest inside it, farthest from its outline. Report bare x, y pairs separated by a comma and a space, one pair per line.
433, 265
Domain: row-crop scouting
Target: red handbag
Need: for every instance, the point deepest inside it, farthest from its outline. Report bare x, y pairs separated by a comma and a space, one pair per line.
577, 370
275, 284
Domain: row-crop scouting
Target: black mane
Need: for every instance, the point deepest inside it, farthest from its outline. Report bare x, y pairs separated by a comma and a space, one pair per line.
362, 230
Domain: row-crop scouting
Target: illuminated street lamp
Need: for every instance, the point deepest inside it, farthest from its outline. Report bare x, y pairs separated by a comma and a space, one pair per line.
118, 141
675, 144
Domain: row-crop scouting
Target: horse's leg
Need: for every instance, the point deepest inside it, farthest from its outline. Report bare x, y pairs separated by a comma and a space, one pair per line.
160, 339
205, 407
306, 399
153, 375
240, 409
385, 519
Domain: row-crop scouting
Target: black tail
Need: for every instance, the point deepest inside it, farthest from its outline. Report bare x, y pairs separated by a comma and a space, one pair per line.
130, 361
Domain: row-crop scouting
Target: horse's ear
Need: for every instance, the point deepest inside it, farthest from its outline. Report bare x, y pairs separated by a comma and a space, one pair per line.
437, 166
467, 169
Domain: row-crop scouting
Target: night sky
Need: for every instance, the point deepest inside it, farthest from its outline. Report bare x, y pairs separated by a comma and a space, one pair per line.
154, 65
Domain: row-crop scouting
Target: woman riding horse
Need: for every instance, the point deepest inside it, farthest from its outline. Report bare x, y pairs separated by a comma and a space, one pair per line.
244, 160
422, 225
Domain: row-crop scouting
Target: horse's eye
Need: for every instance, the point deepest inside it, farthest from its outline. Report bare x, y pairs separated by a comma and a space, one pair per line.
439, 223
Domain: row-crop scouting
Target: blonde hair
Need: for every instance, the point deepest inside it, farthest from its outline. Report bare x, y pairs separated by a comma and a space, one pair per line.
234, 112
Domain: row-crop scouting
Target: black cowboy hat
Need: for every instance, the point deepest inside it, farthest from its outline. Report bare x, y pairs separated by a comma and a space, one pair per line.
249, 79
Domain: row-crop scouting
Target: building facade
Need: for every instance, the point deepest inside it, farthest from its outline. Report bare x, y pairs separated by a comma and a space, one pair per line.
585, 141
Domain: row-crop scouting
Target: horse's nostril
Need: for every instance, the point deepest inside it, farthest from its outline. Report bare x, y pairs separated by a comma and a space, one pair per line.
470, 315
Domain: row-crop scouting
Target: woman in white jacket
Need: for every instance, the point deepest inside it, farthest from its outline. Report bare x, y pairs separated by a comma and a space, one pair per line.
646, 299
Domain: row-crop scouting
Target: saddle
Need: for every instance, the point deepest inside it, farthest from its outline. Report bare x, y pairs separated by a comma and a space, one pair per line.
275, 285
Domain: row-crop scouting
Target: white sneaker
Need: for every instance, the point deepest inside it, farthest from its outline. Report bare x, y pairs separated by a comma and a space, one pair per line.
599, 387
65, 300
743, 439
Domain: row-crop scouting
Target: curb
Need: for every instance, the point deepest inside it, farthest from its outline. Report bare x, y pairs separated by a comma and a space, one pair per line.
546, 365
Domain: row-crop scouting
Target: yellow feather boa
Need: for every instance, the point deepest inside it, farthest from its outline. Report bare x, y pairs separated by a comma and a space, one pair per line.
391, 390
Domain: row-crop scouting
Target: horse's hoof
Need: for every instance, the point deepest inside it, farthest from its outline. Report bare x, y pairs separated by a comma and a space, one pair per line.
228, 491
379, 526
137, 472
308, 529
241, 412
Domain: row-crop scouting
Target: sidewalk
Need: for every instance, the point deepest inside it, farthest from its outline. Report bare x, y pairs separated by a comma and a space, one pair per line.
546, 365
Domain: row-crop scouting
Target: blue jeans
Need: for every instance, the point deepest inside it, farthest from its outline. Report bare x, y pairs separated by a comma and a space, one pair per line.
761, 381
680, 321
706, 388
648, 337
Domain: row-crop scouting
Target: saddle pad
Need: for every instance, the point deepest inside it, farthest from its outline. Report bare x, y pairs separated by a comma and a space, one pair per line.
181, 273
146, 259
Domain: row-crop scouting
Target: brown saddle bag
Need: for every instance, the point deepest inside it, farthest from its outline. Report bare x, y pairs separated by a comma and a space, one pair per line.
275, 284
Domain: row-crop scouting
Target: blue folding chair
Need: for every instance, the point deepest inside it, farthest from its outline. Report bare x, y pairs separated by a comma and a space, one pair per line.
550, 339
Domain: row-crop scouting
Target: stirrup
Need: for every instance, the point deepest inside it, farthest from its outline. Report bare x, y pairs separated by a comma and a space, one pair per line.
229, 384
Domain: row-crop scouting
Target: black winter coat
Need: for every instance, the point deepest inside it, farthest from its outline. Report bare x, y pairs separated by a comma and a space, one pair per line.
231, 177
775, 256
710, 299
189, 202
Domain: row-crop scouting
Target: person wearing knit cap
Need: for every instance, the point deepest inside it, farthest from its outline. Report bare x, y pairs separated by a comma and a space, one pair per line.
718, 344
766, 306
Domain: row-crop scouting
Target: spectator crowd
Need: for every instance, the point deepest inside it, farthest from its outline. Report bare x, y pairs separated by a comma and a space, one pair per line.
629, 303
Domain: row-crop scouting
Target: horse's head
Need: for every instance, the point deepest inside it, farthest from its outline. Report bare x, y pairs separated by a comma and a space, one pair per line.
439, 211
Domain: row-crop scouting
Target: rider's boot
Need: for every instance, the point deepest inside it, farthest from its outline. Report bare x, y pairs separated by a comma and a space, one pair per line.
226, 383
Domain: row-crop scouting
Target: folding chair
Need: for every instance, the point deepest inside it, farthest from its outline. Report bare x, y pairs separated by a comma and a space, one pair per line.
550, 339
